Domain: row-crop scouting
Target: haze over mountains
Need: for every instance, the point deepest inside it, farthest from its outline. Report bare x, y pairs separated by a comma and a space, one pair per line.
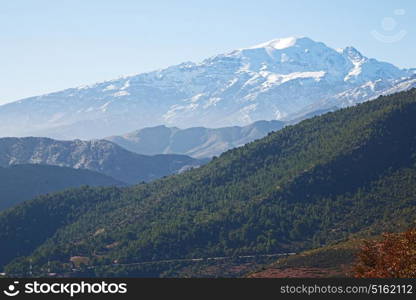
98, 155
198, 142
283, 79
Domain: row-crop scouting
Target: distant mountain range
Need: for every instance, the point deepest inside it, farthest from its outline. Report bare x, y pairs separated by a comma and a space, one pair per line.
24, 182
350, 172
284, 79
198, 142
98, 155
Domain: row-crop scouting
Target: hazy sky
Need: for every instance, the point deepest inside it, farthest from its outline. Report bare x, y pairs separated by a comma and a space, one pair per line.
48, 45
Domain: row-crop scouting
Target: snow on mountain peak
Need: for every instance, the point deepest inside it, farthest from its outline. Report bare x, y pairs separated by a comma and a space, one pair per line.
278, 44
277, 79
353, 54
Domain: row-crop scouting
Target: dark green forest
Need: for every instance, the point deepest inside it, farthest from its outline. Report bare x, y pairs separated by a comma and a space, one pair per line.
24, 182
352, 171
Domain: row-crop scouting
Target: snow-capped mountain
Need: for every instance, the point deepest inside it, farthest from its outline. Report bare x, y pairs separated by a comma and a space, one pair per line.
279, 80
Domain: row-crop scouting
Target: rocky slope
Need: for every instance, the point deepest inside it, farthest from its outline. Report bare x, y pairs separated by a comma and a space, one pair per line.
97, 155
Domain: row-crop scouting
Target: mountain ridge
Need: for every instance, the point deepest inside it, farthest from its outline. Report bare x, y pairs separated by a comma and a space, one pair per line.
236, 88
197, 142
97, 155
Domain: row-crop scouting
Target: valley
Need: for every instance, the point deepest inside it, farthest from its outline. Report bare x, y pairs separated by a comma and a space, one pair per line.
345, 173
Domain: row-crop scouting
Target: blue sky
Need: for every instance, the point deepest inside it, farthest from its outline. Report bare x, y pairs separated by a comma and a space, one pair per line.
51, 45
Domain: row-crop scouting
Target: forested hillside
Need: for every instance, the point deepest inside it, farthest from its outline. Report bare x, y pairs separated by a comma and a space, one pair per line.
23, 182
345, 172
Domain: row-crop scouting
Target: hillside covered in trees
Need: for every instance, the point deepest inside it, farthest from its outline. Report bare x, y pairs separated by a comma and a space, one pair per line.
24, 182
347, 172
